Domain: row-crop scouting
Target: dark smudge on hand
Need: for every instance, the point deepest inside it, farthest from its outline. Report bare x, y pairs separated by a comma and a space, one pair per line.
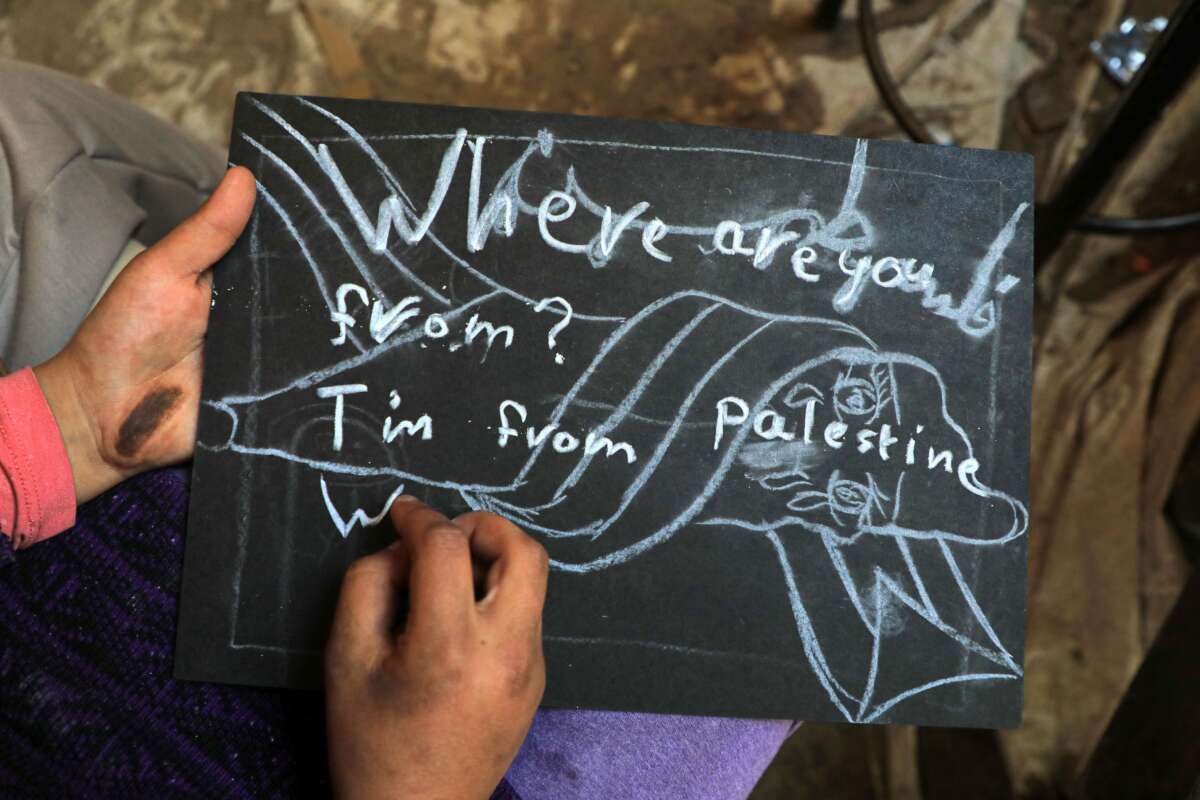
145, 418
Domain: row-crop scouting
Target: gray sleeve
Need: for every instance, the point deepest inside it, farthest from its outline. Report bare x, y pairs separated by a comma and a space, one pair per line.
81, 173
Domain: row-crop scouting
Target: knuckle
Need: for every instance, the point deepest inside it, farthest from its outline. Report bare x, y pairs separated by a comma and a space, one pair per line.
445, 536
493, 521
361, 568
536, 553
403, 667
434, 672
511, 526
449, 654
474, 517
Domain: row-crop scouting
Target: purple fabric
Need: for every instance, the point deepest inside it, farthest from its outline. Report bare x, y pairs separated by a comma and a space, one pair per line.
589, 754
88, 707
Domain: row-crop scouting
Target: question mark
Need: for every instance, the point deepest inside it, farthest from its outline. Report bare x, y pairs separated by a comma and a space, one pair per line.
542, 305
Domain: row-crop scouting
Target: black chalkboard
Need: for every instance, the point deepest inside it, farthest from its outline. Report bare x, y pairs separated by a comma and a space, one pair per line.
763, 396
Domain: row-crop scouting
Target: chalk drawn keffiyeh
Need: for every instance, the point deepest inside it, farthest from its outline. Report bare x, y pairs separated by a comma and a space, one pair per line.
633, 424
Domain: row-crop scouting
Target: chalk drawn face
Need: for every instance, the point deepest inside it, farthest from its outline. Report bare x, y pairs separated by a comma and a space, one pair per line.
853, 457
808, 474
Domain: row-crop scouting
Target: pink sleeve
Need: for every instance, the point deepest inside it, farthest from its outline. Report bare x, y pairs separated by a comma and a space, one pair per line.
37, 490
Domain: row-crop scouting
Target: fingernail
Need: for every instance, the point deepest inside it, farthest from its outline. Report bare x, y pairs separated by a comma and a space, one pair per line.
406, 498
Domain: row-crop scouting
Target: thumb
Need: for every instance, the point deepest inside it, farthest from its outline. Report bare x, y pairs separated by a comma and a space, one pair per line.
200, 240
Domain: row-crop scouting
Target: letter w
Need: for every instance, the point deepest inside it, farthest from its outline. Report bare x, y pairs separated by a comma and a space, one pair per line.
392, 212
359, 517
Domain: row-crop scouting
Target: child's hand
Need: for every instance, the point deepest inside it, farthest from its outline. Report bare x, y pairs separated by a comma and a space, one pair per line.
126, 389
438, 709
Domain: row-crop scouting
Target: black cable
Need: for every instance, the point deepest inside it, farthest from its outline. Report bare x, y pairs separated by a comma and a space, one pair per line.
907, 119
1119, 226
868, 32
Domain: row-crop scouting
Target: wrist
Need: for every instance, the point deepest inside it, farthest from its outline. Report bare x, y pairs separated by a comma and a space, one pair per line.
92, 475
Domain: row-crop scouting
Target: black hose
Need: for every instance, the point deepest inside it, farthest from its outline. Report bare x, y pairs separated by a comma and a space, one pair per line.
1118, 226
908, 121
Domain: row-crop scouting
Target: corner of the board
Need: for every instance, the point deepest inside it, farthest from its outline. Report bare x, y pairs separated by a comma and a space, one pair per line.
1023, 158
1014, 722
244, 97
1017, 718
1020, 166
